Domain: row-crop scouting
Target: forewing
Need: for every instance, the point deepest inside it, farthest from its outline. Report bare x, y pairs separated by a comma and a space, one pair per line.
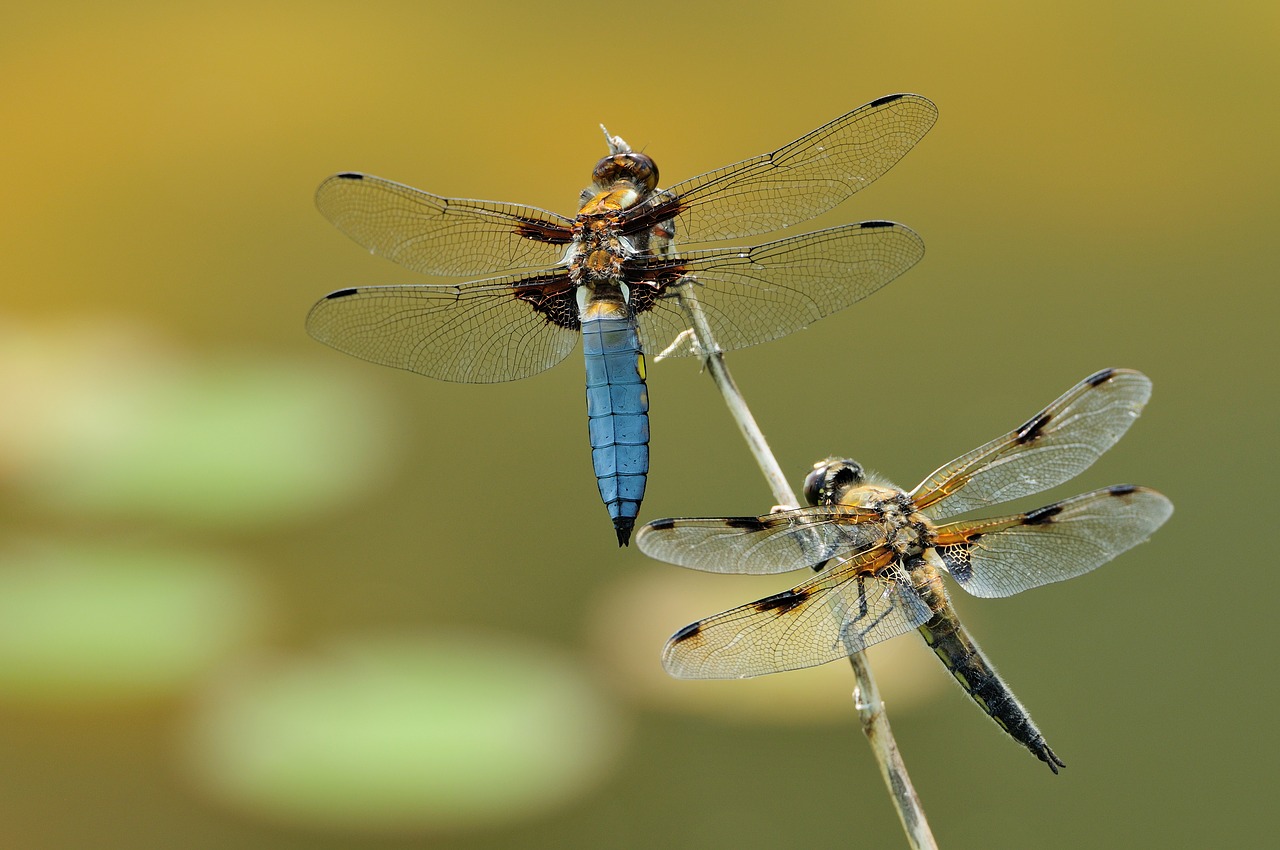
1055, 445
834, 614
797, 182
441, 236
773, 543
752, 295
474, 333
1001, 557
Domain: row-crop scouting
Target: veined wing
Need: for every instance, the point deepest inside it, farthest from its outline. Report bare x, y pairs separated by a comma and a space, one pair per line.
753, 295
865, 600
479, 333
441, 236
807, 177
1001, 557
773, 543
1055, 445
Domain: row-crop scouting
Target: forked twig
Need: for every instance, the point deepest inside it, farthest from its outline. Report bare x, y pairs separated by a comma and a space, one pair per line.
866, 696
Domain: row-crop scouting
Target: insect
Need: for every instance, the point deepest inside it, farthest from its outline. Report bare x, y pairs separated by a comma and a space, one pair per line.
608, 275
881, 552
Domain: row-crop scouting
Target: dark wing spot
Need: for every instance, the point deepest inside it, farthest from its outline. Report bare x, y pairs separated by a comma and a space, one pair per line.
1122, 489
542, 232
1100, 377
1042, 516
957, 559
1032, 429
663, 524
881, 101
350, 175
342, 293
687, 632
749, 523
781, 602
651, 213
552, 295
869, 225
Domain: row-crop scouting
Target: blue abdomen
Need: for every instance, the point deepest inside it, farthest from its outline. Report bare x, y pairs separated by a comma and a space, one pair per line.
618, 416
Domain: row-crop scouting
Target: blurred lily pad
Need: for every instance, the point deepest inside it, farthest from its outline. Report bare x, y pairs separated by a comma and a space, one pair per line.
93, 623
405, 734
103, 419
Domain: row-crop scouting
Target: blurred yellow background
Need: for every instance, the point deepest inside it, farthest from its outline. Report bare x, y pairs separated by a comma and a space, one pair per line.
257, 594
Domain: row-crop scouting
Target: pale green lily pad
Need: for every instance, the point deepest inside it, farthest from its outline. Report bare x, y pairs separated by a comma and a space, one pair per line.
405, 734
106, 420
88, 624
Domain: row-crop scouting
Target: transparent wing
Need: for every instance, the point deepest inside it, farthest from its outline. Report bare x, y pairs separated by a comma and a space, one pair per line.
773, 543
836, 613
441, 236
1001, 557
797, 182
753, 295
1055, 445
476, 333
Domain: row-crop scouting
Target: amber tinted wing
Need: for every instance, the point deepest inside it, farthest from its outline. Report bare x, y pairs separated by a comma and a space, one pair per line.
1001, 557
843, 610
773, 543
1051, 447
474, 333
753, 295
807, 177
441, 236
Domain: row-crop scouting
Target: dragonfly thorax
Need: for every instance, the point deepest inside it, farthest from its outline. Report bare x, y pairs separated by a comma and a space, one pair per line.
908, 532
598, 252
844, 482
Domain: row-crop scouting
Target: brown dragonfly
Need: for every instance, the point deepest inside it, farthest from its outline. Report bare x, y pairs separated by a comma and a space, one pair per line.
881, 552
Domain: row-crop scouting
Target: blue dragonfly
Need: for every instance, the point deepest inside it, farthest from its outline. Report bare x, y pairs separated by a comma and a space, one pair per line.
610, 273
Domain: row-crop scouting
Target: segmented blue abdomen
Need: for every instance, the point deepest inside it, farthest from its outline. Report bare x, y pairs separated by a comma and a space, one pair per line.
618, 416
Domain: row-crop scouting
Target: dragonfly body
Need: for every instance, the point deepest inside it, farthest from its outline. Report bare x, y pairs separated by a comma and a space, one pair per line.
880, 552
617, 408
959, 653
610, 274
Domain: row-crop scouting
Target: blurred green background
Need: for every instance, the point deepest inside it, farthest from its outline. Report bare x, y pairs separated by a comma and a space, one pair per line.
254, 593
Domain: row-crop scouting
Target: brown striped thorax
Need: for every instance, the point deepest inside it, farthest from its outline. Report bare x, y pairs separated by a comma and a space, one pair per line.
837, 481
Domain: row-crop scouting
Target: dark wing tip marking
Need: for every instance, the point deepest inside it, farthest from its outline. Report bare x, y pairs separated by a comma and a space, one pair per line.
663, 524
1122, 489
747, 522
687, 632
1033, 428
889, 98
341, 293
350, 175
870, 225
1100, 377
781, 602
1042, 516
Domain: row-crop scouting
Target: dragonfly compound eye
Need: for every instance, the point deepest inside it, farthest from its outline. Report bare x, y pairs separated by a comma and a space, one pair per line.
830, 480
635, 168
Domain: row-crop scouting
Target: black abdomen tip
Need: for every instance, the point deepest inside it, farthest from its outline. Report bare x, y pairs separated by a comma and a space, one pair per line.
623, 526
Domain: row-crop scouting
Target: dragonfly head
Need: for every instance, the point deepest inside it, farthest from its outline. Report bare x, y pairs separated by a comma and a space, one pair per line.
630, 167
831, 479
